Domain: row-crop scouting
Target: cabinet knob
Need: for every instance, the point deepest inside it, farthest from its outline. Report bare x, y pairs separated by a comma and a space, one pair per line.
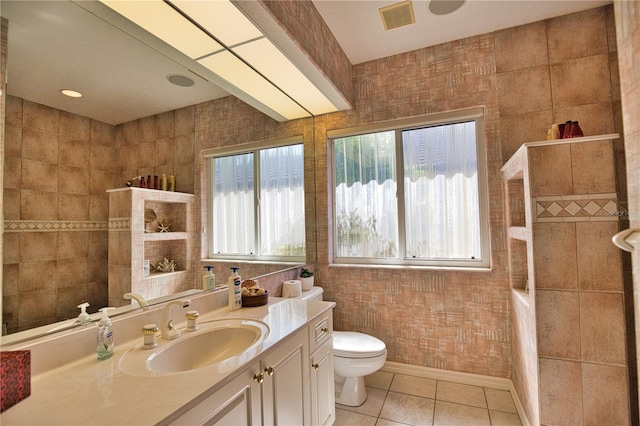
258, 377
324, 329
269, 370
315, 366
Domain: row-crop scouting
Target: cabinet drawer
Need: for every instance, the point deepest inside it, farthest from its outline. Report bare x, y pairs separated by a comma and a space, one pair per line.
320, 330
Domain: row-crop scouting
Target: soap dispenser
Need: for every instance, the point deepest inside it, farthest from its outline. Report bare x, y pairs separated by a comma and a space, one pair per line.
235, 289
208, 279
105, 336
83, 318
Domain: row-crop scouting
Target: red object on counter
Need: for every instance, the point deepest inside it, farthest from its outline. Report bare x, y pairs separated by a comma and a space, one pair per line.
15, 378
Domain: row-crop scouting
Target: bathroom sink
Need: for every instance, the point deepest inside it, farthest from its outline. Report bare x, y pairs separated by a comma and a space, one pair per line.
225, 343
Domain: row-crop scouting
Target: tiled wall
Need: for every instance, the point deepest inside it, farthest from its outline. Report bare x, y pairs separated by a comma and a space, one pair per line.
581, 331
58, 166
3, 95
627, 16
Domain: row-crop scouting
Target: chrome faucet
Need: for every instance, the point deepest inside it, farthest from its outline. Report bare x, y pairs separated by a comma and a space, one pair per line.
169, 331
138, 298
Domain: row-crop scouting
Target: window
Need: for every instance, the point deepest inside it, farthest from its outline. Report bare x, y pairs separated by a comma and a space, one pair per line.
411, 194
256, 203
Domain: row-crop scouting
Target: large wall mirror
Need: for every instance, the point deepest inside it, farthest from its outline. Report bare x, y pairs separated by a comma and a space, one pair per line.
62, 154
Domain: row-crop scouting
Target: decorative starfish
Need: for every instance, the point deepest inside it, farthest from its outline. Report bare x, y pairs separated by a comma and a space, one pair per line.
164, 227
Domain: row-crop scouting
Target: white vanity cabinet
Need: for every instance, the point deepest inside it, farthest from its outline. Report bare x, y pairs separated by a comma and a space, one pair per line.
285, 387
290, 385
323, 410
236, 404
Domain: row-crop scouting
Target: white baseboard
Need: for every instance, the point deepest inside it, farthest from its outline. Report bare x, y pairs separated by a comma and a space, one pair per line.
459, 377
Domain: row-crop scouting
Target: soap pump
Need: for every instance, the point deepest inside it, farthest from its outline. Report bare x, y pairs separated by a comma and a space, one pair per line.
83, 318
105, 336
208, 279
235, 289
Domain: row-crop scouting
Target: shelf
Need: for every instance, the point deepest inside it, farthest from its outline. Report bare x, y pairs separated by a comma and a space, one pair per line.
162, 275
519, 233
165, 236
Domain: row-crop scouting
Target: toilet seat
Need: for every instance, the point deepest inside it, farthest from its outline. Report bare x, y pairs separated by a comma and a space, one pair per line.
351, 344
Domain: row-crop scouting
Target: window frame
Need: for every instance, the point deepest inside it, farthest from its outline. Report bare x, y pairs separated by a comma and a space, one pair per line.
398, 126
207, 208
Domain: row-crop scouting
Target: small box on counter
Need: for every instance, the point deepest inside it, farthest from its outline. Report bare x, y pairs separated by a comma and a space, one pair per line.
15, 378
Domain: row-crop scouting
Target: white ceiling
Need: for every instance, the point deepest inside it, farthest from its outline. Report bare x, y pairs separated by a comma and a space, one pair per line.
57, 44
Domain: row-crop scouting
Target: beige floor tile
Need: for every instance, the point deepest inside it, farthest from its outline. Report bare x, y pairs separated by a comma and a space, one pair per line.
499, 418
379, 380
348, 418
461, 394
372, 405
447, 413
385, 422
409, 409
500, 400
411, 385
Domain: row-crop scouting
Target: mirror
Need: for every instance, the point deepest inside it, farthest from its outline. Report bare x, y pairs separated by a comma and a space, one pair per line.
56, 210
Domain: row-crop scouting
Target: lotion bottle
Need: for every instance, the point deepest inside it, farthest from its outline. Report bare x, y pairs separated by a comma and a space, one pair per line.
208, 279
105, 336
235, 291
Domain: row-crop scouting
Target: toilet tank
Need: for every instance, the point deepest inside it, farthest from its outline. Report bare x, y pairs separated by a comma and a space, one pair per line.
315, 294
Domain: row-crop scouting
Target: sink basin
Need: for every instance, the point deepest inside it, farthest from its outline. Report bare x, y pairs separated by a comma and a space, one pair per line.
225, 343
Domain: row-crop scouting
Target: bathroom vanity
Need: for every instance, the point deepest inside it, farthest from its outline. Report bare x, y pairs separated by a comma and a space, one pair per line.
288, 380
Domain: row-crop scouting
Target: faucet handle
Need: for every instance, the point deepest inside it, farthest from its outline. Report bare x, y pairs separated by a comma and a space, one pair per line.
192, 320
149, 332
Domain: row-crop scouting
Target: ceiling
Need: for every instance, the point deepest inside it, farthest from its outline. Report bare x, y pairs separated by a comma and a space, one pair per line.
56, 45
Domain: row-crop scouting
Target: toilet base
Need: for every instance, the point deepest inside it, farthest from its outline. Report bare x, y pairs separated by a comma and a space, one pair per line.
350, 390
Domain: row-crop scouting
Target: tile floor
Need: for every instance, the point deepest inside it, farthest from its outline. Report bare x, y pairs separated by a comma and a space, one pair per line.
398, 399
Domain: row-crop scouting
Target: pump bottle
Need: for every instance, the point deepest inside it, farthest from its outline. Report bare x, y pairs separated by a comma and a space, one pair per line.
235, 291
208, 279
105, 336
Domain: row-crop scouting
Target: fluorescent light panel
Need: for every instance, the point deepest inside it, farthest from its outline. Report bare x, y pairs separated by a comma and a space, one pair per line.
236, 72
164, 22
271, 62
225, 22
220, 18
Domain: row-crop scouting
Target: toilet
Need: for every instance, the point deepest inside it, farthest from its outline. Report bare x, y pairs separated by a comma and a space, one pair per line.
355, 355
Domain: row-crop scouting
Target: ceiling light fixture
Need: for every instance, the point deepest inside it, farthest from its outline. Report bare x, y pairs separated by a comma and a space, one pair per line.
445, 7
224, 41
71, 93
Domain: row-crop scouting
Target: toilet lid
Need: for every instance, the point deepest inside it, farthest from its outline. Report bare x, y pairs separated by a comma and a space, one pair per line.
351, 344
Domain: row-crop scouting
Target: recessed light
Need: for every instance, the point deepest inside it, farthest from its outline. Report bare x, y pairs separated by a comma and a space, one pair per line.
444, 7
180, 80
71, 93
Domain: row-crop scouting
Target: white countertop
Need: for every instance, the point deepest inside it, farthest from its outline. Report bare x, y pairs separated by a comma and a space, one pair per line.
92, 392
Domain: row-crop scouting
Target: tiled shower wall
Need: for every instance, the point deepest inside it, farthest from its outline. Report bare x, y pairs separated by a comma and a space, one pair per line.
58, 166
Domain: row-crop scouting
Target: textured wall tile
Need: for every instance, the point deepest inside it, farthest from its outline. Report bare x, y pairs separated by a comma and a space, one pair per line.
523, 91
560, 392
558, 323
550, 170
555, 254
599, 261
74, 126
73, 180
518, 129
577, 35
602, 328
521, 47
604, 389
593, 168
581, 81
38, 205
40, 118
39, 146
73, 152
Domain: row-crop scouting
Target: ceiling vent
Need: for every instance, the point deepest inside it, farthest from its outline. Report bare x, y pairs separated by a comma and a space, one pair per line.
397, 15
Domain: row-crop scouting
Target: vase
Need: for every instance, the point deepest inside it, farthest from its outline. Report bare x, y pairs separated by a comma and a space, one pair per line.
307, 283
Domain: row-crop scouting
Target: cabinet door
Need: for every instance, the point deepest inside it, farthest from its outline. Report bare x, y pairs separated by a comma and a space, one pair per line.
236, 404
284, 393
323, 409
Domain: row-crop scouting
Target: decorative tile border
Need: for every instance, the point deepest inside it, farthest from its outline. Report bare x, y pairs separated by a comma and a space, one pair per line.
53, 225
120, 224
576, 208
